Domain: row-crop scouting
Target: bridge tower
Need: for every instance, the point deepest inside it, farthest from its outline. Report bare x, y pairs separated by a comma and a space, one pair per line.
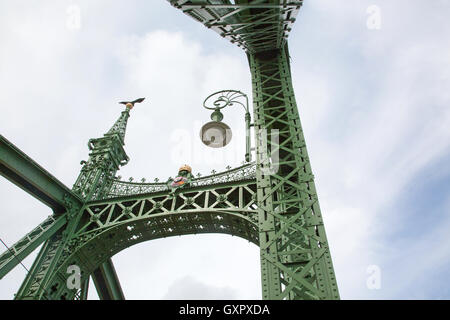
271, 202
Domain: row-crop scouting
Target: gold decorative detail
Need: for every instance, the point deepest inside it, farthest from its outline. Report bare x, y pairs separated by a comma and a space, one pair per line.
185, 168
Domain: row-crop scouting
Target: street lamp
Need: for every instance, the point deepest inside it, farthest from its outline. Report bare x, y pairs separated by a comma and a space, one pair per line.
216, 134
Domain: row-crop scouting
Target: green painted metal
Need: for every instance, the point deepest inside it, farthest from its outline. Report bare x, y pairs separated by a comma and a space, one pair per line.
21, 170
20, 250
105, 158
271, 203
84, 289
252, 25
107, 283
109, 226
295, 257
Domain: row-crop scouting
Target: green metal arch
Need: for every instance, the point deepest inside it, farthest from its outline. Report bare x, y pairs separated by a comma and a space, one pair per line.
94, 248
128, 233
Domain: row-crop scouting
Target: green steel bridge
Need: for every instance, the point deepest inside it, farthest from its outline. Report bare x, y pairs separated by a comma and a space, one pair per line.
278, 210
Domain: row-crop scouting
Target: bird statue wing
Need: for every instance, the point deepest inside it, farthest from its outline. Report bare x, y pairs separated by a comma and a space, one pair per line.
138, 100
132, 102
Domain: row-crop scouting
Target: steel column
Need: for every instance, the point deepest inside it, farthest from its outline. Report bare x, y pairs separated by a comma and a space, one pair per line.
21, 170
25, 246
295, 258
107, 283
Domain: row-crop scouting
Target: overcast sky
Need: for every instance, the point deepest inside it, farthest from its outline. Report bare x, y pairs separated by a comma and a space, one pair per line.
372, 84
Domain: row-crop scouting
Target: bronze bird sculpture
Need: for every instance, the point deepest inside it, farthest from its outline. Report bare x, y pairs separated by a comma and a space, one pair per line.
130, 104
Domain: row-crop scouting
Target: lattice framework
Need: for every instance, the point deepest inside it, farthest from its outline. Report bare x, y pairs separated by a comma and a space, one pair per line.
273, 204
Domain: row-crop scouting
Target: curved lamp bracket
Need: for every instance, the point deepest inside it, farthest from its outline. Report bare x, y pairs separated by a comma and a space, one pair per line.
225, 98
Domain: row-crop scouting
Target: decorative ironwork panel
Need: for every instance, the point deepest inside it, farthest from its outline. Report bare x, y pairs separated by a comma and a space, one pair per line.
123, 188
106, 227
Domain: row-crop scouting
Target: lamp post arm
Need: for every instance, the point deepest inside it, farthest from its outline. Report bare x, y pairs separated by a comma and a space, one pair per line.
225, 98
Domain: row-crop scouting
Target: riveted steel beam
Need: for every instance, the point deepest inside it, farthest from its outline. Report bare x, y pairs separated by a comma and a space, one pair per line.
21, 170
21, 249
107, 283
253, 25
295, 257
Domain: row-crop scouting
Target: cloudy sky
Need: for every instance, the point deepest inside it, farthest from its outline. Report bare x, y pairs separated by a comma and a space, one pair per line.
372, 85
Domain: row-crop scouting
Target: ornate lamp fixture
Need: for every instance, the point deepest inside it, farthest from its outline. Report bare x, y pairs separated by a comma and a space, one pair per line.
216, 134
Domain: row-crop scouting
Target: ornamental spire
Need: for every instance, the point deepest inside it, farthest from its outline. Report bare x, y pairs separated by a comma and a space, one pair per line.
120, 126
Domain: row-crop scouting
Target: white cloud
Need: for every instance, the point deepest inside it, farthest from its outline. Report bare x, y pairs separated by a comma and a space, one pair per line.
224, 264
188, 288
384, 98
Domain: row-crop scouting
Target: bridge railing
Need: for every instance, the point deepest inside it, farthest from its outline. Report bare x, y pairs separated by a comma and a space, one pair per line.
123, 188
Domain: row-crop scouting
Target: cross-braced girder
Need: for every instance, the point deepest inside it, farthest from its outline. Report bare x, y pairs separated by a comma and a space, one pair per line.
295, 258
108, 226
22, 248
254, 25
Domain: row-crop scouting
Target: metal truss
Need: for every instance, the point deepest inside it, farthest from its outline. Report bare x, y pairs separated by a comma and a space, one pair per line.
252, 25
108, 226
272, 203
295, 258
12, 257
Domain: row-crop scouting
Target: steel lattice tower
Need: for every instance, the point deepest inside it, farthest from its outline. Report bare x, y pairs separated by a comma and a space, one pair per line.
278, 210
